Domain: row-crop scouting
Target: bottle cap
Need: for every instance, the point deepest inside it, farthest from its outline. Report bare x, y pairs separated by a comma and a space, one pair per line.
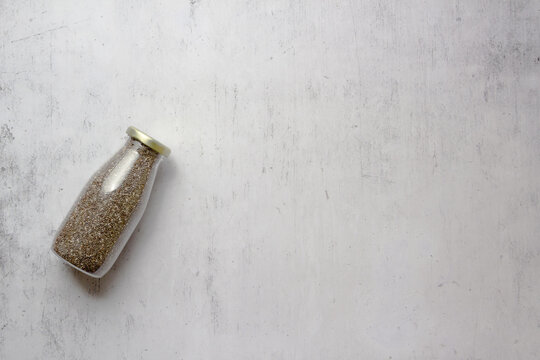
148, 141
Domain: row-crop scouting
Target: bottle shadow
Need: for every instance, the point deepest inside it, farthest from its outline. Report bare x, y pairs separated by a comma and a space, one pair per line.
167, 174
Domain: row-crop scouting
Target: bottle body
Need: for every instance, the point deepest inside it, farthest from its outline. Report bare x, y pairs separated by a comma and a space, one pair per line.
108, 210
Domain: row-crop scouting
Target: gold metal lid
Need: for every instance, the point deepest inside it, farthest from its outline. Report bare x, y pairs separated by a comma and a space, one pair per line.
148, 141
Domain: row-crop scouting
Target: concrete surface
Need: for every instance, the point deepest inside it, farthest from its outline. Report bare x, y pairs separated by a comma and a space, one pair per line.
349, 179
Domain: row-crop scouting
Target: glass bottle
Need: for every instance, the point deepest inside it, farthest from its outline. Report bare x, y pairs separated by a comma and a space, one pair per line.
110, 206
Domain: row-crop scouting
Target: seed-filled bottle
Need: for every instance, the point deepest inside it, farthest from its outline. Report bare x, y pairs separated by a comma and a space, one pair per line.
109, 207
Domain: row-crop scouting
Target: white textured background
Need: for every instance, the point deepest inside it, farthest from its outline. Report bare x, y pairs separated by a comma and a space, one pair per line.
348, 179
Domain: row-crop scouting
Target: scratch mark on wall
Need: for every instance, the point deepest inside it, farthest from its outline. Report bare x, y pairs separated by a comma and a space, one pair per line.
39, 33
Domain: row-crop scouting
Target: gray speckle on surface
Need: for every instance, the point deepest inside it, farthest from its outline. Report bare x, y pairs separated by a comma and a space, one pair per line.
5, 134
348, 179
